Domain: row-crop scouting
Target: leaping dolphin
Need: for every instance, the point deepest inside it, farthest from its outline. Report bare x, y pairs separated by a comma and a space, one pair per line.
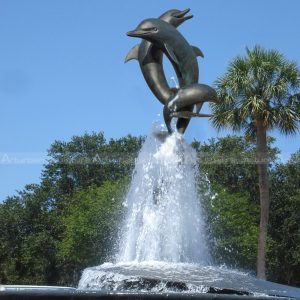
150, 58
184, 61
173, 44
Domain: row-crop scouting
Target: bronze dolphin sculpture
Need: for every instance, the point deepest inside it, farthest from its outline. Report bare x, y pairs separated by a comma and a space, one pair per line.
183, 58
150, 58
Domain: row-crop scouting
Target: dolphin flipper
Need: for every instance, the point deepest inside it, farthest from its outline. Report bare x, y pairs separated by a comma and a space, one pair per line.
171, 53
188, 115
197, 51
133, 53
198, 107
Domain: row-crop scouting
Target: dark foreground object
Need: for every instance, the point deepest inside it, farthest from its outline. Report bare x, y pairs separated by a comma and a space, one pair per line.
66, 293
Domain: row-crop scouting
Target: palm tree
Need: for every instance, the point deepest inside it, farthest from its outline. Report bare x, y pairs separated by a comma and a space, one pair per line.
259, 92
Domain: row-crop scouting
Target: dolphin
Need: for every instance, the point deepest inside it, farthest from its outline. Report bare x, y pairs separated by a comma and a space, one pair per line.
184, 61
186, 97
150, 58
192, 94
173, 44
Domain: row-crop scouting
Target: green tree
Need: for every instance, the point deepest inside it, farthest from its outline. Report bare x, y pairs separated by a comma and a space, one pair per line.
90, 228
33, 224
11, 216
284, 252
229, 192
233, 228
259, 92
87, 160
229, 162
28, 238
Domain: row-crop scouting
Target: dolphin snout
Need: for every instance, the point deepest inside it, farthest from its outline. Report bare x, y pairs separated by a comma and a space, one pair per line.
142, 32
182, 15
135, 33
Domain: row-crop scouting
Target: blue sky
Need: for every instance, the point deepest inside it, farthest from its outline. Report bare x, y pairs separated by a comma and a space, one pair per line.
62, 70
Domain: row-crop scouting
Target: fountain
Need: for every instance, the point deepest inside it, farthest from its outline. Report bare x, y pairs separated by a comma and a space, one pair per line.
162, 248
163, 225
162, 251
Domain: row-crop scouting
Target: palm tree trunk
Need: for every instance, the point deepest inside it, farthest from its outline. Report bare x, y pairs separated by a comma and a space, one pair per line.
262, 156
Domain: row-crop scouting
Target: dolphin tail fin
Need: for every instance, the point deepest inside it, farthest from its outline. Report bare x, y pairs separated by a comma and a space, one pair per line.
197, 51
132, 54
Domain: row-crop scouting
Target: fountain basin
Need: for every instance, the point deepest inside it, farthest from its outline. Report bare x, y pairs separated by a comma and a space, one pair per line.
67, 293
157, 278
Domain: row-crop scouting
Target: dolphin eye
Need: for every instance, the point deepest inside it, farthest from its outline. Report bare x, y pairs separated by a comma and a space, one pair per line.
150, 29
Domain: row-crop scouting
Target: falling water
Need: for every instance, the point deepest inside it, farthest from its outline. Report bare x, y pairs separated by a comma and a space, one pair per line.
164, 219
162, 247
162, 232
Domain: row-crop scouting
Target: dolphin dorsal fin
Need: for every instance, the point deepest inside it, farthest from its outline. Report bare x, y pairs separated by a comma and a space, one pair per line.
197, 51
146, 53
171, 53
133, 53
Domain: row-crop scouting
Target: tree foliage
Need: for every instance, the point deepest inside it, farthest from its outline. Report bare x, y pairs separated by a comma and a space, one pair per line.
90, 225
27, 238
39, 226
263, 85
88, 160
259, 92
229, 192
229, 215
284, 255
231, 162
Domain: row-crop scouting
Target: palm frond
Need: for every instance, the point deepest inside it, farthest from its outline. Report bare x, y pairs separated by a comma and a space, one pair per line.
262, 85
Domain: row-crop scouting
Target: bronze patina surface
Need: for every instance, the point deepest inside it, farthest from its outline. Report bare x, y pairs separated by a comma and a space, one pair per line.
160, 37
